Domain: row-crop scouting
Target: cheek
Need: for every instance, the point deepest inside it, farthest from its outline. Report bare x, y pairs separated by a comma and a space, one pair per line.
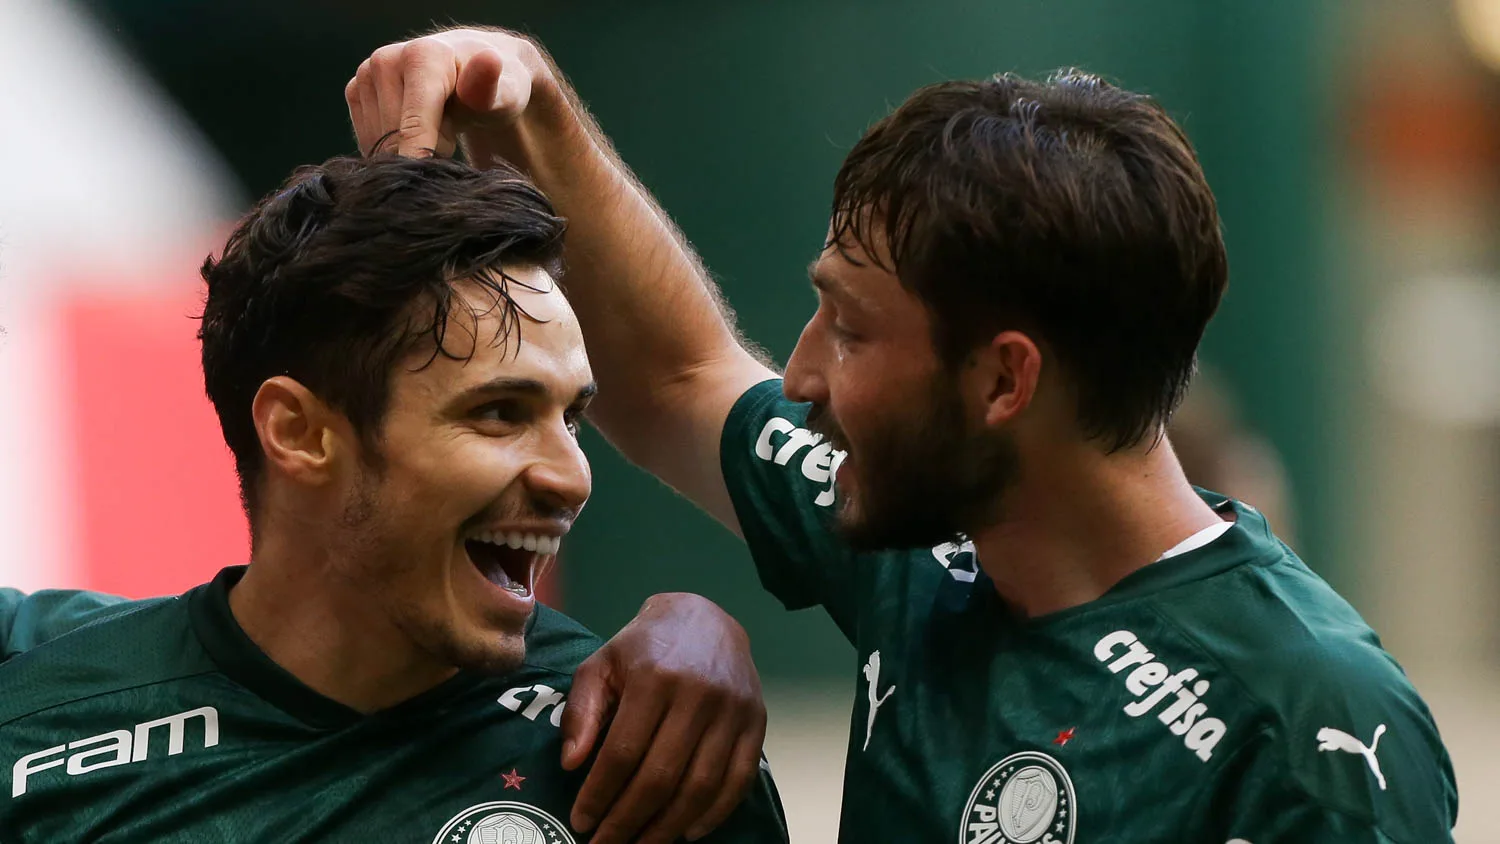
477, 474
453, 480
859, 382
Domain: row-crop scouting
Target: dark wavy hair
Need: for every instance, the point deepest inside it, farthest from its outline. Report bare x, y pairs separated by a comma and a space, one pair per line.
1068, 208
346, 268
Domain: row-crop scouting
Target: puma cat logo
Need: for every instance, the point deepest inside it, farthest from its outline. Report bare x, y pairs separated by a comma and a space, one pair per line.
1331, 739
872, 674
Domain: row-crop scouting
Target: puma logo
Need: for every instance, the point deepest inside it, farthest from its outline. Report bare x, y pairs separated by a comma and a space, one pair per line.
872, 674
1331, 739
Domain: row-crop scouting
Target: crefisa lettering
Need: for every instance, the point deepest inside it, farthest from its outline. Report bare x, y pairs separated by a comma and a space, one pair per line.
1178, 695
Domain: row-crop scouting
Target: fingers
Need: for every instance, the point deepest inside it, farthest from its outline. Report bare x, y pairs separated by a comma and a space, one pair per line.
740, 777
364, 111
400, 98
589, 705
625, 745
390, 84
698, 788
429, 73
478, 85
659, 776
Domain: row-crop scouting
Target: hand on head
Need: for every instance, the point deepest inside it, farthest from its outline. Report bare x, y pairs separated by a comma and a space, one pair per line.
418, 97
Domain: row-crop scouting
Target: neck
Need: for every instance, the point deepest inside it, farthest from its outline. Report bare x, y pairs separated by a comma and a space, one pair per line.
298, 608
1073, 531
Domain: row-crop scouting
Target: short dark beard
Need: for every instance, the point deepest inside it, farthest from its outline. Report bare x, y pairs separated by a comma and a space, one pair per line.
924, 478
362, 522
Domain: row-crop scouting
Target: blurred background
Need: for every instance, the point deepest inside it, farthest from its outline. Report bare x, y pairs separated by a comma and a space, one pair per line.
1351, 382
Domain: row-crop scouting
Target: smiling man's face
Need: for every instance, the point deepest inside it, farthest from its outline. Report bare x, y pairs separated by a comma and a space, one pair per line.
480, 476
918, 470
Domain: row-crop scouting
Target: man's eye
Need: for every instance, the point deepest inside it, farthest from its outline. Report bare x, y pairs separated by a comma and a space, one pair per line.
509, 412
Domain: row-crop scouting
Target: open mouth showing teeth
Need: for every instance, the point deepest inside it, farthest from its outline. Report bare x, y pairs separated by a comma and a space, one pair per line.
511, 560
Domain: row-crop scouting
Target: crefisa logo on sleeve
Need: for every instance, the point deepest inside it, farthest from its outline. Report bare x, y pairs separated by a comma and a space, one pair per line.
503, 822
1177, 698
1025, 799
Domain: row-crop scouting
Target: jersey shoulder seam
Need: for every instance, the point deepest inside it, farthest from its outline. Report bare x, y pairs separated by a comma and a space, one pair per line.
113, 691
547, 669
137, 606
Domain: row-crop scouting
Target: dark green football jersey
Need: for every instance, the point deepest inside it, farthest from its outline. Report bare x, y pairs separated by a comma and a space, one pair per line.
163, 722
1223, 695
29, 620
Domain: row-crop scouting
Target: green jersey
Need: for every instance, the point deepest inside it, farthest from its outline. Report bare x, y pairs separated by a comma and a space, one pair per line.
163, 722
29, 620
1226, 694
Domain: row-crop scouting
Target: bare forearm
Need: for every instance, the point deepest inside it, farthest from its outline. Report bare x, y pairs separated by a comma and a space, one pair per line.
652, 316
662, 343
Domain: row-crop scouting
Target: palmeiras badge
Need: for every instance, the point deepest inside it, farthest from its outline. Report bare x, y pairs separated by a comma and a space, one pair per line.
1026, 799
503, 822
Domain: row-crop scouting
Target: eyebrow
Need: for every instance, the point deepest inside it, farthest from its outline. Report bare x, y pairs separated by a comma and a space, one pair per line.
822, 282
523, 386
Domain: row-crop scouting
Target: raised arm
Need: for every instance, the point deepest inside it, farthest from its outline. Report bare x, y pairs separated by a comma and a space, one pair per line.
664, 349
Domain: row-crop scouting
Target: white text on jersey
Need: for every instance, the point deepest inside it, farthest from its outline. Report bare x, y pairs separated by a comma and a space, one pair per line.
821, 465
542, 696
1152, 682
120, 747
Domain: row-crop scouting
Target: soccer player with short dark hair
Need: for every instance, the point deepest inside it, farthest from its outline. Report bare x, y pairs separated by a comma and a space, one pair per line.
400, 379
1059, 639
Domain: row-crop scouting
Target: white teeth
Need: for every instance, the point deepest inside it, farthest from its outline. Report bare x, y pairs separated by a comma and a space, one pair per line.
533, 542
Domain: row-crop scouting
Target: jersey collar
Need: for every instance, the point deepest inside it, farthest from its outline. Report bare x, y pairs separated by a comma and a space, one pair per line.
1248, 541
241, 661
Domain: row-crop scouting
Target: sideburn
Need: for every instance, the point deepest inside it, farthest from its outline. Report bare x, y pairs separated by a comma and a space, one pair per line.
930, 478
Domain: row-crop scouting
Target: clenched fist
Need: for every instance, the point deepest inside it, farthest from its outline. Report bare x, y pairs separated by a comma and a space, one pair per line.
421, 97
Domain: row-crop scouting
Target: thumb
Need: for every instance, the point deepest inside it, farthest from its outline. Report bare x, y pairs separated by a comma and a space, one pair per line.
590, 703
478, 85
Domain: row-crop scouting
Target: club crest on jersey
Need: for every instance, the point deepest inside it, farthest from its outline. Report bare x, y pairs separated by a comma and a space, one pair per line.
503, 822
1155, 685
1025, 799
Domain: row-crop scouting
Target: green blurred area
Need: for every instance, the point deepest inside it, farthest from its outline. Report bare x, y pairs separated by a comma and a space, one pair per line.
737, 115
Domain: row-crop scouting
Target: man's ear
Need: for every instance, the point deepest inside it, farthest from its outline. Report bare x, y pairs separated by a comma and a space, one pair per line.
298, 431
1006, 372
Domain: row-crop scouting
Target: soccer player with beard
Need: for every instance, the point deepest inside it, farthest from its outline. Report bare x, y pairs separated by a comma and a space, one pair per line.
1058, 637
400, 380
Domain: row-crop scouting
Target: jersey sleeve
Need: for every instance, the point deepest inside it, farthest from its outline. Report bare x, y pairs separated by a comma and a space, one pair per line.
1381, 776
780, 478
1275, 816
30, 620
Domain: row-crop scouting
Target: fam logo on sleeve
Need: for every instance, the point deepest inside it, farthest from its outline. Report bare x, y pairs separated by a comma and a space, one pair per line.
503, 822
